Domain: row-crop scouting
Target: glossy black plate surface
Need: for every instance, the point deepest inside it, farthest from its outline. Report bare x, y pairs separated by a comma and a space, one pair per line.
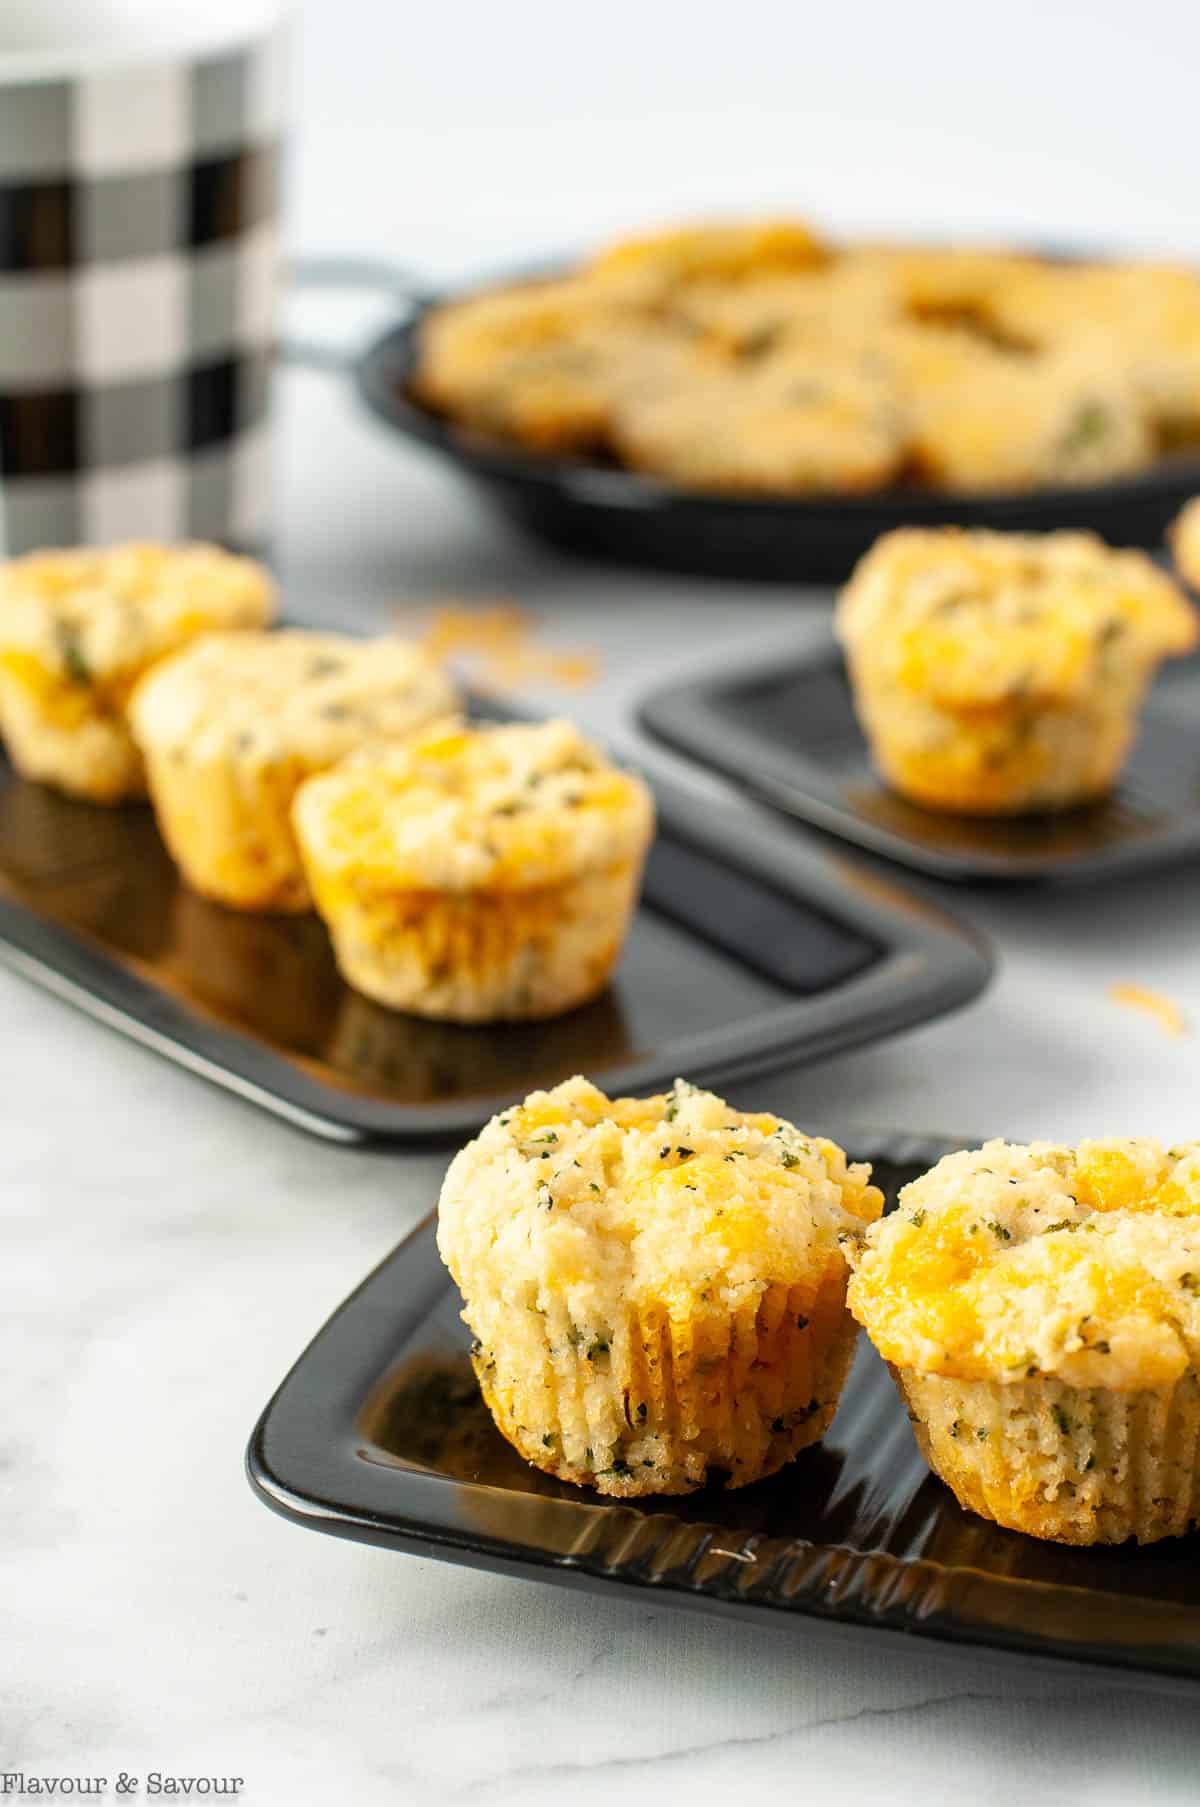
632, 519
786, 731
379, 1433
745, 954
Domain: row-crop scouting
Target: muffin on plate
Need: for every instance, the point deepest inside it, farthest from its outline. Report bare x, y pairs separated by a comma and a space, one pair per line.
77, 631
656, 1285
1000, 673
1185, 543
1039, 1308
477, 873
231, 727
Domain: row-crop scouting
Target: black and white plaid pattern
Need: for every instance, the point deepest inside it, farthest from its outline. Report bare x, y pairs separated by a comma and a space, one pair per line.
138, 279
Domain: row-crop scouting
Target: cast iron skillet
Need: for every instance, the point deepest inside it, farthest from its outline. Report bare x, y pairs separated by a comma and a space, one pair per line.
627, 518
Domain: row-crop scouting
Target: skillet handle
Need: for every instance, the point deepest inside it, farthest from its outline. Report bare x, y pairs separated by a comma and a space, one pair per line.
346, 273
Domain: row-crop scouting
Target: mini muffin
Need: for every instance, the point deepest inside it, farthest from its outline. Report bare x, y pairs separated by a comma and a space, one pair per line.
1185, 543
662, 262
1000, 673
477, 874
939, 282
656, 1285
1023, 423
1141, 321
506, 363
77, 631
983, 418
231, 727
793, 425
539, 365
835, 306
1040, 1311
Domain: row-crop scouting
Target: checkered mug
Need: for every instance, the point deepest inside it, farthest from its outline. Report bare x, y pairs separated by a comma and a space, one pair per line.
139, 269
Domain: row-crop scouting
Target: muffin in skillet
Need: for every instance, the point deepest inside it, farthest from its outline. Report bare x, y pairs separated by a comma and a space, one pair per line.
654, 265
656, 1286
999, 673
1040, 1310
1138, 321
1005, 422
791, 425
77, 631
231, 727
542, 364
477, 873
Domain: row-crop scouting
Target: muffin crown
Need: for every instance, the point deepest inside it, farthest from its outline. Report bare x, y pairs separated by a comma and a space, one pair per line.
733, 251
978, 620
312, 697
460, 808
92, 615
674, 1199
1008, 1262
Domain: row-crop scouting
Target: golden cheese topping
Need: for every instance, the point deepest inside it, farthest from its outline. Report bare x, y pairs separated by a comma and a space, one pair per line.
731, 251
676, 1199
975, 620
97, 618
261, 698
462, 808
1007, 1262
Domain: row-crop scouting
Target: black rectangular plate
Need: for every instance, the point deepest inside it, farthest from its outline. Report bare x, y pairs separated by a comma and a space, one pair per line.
786, 732
379, 1433
746, 953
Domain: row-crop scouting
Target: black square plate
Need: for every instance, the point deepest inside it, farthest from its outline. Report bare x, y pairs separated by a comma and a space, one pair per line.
786, 731
746, 953
379, 1433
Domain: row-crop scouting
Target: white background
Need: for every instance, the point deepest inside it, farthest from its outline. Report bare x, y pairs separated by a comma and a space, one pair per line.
168, 1251
452, 130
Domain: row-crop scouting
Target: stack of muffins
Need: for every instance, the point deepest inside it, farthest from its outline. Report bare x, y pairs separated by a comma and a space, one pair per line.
475, 874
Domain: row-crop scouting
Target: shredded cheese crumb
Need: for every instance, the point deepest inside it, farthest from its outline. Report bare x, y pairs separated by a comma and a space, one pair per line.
498, 640
1163, 1010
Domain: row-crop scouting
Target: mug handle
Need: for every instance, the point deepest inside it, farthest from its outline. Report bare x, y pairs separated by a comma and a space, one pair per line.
346, 273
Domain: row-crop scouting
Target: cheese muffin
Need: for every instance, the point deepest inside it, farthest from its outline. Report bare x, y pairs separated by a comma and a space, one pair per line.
940, 283
1006, 422
729, 251
77, 631
231, 727
1040, 1311
656, 1285
1000, 673
540, 365
1185, 543
835, 307
477, 874
1141, 321
791, 426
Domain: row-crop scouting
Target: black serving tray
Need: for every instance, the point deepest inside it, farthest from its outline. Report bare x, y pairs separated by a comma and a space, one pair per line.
785, 731
379, 1433
746, 953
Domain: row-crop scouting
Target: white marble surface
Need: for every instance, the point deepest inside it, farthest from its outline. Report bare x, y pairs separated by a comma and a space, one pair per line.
168, 1251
